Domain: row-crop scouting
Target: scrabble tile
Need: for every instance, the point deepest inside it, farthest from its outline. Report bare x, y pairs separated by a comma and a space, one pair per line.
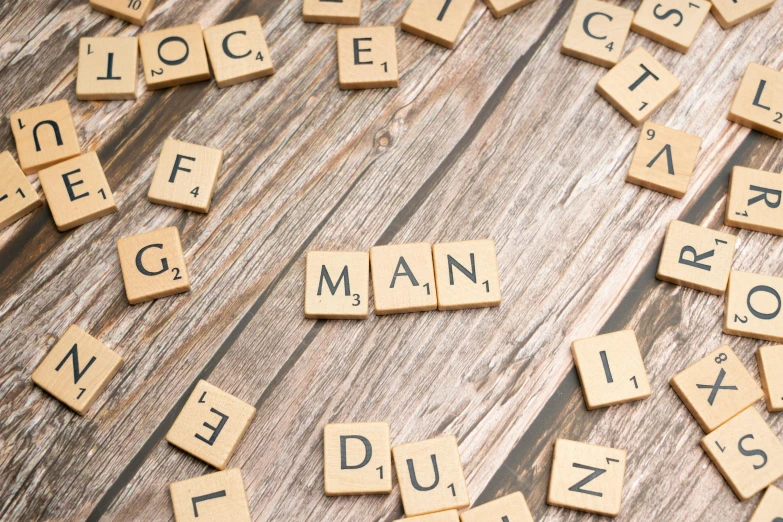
153, 265
753, 306
337, 285
443, 516
332, 12
403, 278
108, 68
664, 159
238, 51
597, 32
758, 103
586, 477
673, 23
611, 369
637, 86
357, 458
696, 257
17, 197
211, 424
216, 497
77, 369
500, 8
746, 452
770, 360
133, 11
770, 509
186, 176
466, 274
754, 200
44, 135
174, 56
729, 13
367, 57
77, 191
716, 388
430, 476
511, 508
437, 22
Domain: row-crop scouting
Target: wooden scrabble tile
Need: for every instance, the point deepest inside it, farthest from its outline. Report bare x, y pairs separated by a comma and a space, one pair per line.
746, 452
500, 8
770, 360
77, 191
238, 51
716, 388
770, 509
511, 508
611, 369
673, 23
332, 12
337, 285
357, 458
211, 424
437, 22
696, 257
44, 135
758, 103
403, 278
586, 477
637, 86
153, 265
108, 68
729, 13
442, 516
466, 274
754, 200
77, 369
597, 32
133, 11
17, 197
753, 306
216, 497
174, 56
430, 476
664, 159
186, 175
367, 57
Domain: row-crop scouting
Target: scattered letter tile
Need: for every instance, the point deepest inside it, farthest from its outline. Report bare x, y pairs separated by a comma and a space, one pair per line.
357, 458
664, 159
586, 477
729, 13
696, 257
174, 56
367, 57
466, 274
17, 197
597, 32
430, 476
238, 51
108, 68
186, 176
331, 12
44, 136
403, 278
754, 201
442, 516
511, 508
77, 369
637, 86
673, 23
500, 8
439, 22
153, 265
716, 388
133, 11
753, 306
611, 369
770, 509
746, 452
216, 497
770, 359
77, 191
758, 103
337, 285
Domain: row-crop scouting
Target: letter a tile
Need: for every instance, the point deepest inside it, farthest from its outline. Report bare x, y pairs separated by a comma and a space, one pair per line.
466, 274
758, 103
586, 477
729, 13
437, 22
367, 57
186, 176
17, 197
403, 278
754, 201
337, 285
673, 23
754, 306
133, 11
597, 32
211, 424
443, 516
430, 476
217, 497
174, 56
331, 12
511, 508
357, 458
770, 509
108, 68
238, 51
770, 360
44, 136
77, 369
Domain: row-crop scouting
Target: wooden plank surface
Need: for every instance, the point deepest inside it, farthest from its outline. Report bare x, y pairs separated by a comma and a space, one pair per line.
502, 137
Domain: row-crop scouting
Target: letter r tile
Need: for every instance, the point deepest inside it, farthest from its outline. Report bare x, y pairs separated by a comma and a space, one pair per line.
357, 459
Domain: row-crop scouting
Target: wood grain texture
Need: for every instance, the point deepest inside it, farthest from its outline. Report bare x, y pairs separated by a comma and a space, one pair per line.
502, 137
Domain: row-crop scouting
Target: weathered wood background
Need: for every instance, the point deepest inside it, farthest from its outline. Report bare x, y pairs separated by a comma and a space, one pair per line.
503, 137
